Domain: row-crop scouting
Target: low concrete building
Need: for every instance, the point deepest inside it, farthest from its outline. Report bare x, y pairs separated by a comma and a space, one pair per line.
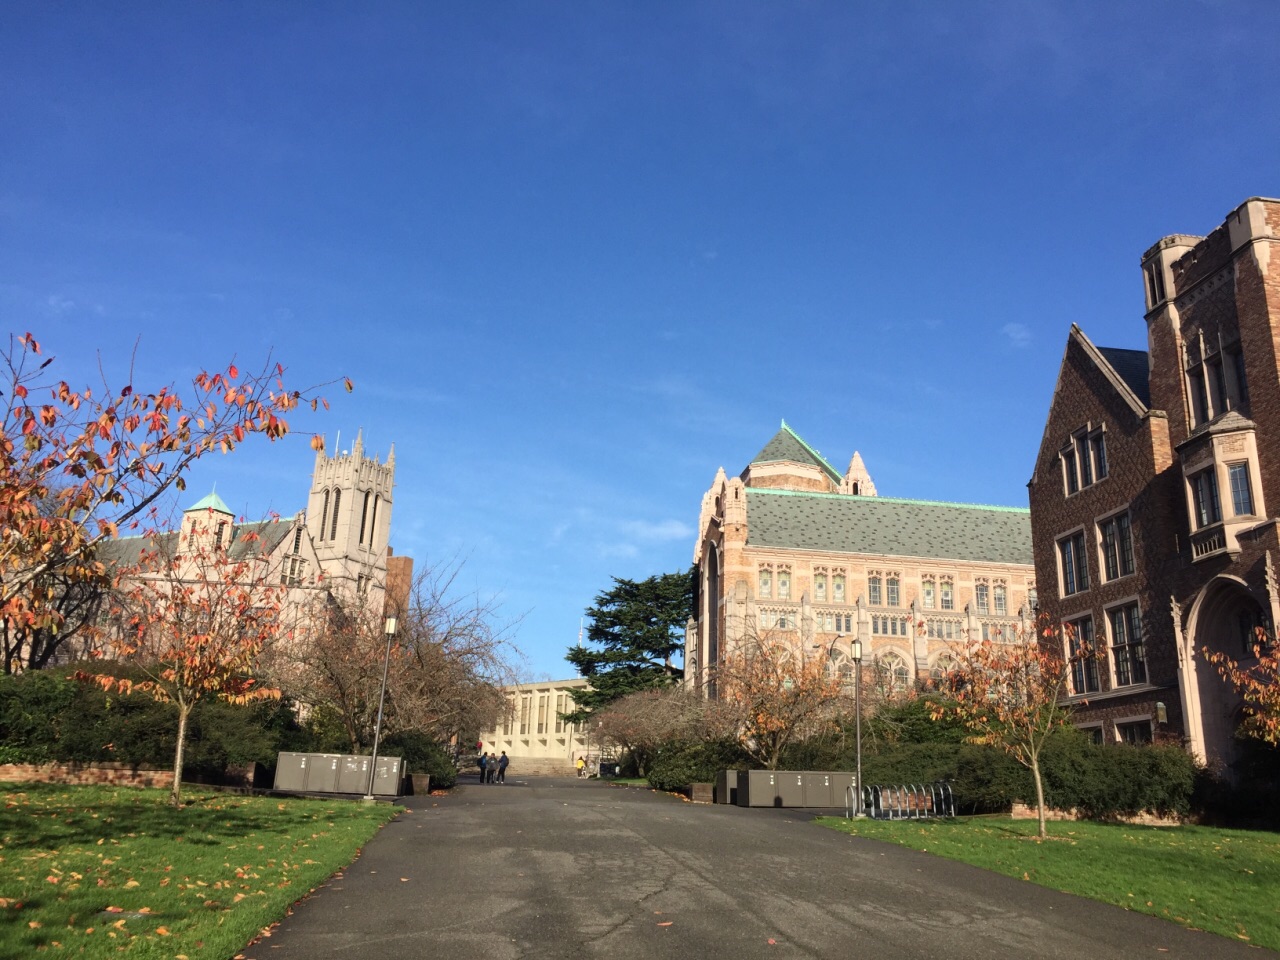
535, 735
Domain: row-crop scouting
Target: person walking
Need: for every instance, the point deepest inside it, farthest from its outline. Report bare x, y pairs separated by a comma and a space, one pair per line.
492, 767
582, 766
483, 761
502, 767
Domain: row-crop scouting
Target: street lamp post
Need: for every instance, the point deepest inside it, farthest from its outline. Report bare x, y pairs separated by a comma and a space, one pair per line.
855, 650
390, 630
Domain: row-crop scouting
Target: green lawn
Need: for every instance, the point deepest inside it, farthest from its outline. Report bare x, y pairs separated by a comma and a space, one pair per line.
93, 871
1224, 881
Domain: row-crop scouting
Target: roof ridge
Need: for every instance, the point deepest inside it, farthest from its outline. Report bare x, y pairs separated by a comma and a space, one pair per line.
928, 503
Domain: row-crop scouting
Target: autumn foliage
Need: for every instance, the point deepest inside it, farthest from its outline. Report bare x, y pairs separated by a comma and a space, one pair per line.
1258, 682
79, 466
1007, 692
775, 695
193, 615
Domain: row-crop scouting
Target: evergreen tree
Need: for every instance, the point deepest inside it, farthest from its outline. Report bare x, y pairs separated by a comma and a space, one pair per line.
635, 628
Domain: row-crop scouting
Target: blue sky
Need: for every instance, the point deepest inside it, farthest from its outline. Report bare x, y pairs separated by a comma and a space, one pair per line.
577, 256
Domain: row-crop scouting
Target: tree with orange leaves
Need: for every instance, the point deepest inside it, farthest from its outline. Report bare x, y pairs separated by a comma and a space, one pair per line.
1007, 693
78, 466
193, 615
773, 695
1258, 682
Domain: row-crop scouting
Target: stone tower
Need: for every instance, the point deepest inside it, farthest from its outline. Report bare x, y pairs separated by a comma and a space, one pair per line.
349, 516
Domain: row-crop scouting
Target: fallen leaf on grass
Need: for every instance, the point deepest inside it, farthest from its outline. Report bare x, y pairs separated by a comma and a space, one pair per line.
666, 923
773, 942
162, 931
404, 879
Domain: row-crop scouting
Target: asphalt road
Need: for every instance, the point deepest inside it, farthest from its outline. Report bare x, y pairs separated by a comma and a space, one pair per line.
580, 869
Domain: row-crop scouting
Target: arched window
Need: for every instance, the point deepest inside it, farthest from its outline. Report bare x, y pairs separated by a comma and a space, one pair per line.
324, 515
873, 591
893, 674
364, 514
297, 540
927, 594
373, 521
333, 524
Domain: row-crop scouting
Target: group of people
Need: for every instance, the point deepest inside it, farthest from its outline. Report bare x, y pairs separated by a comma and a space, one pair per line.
493, 769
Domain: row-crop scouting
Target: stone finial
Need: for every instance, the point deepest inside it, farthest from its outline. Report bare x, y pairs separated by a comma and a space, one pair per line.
857, 481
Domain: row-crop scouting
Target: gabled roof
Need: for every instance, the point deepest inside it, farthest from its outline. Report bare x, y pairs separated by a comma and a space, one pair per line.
1127, 384
1126, 370
786, 445
1133, 367
888, 526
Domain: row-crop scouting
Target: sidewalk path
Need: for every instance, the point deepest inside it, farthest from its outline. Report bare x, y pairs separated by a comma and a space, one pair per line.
565, 868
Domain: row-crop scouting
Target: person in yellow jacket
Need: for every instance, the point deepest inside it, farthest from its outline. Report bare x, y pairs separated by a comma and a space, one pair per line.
582, 767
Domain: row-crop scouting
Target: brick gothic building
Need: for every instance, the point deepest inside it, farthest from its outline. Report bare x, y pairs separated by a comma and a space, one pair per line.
799, 551
1149, 500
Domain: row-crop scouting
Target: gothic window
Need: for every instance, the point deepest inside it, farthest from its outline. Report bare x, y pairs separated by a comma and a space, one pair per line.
1241, 493
364, 514
1074, 564
873, 591
324, 515
1002, 603
819, 587
297, 540
784, 583
894, 674
948, 595
892, 590
1204, 495
1084, 459
837, 587
766, 582
1084, 665
333, 525
928, 594
220, 532
1126, 645
982, 597
373, 521
1117, 546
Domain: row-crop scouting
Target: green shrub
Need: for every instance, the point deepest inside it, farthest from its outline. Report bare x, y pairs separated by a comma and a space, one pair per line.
422, 753
1104, 782
677, 765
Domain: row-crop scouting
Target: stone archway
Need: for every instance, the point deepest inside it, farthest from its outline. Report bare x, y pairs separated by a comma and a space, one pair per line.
1222, 619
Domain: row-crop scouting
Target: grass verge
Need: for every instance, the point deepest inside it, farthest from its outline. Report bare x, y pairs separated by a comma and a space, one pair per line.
1223, 881
96, 871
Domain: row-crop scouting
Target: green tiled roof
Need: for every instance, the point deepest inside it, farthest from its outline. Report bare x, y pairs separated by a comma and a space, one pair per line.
888, 526
212, 502
787, 445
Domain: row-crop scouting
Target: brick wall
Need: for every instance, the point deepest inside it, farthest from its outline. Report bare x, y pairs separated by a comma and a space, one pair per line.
109, 774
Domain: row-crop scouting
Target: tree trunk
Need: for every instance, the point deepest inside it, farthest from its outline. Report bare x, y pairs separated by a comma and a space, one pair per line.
1035, 773
184, 711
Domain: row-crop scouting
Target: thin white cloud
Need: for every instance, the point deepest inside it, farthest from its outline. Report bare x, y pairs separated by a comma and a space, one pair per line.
60, 304
1018, 333
661, 530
